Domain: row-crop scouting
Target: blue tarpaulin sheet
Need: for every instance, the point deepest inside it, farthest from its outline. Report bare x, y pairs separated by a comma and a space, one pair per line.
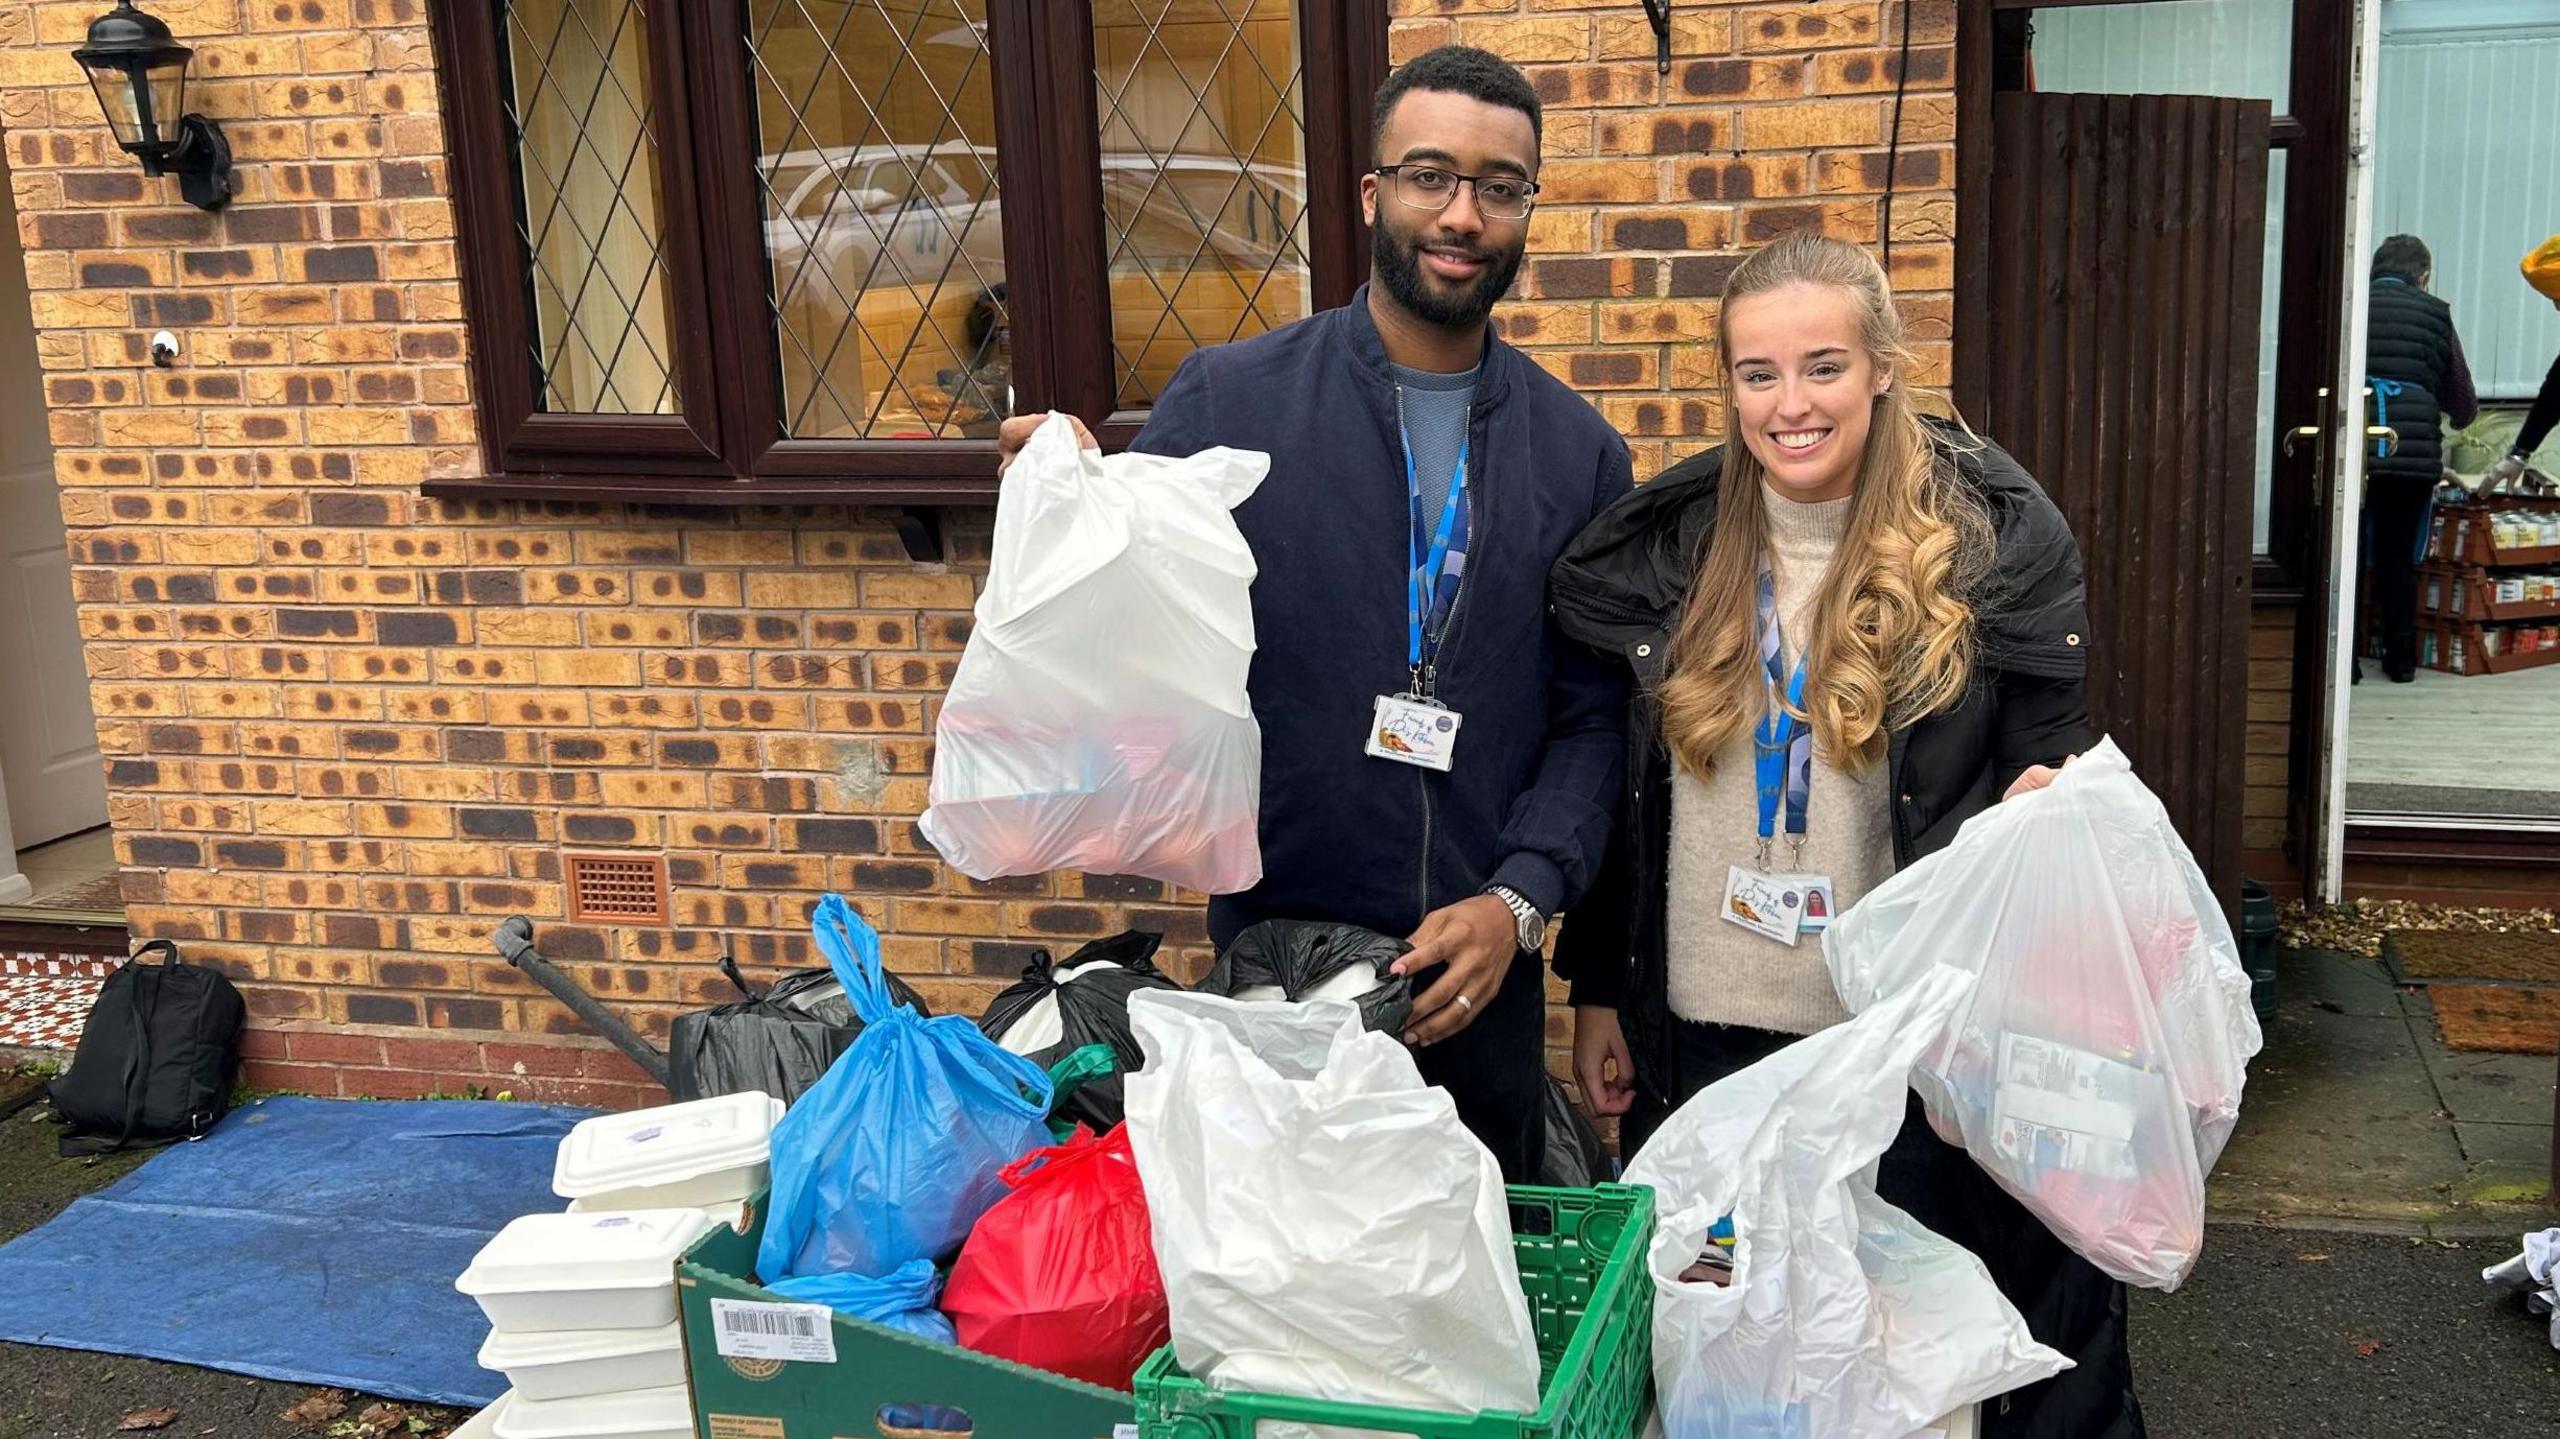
309, 1240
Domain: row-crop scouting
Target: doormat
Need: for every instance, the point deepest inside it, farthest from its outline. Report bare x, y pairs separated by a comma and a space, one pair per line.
2423, 956
2497, 1018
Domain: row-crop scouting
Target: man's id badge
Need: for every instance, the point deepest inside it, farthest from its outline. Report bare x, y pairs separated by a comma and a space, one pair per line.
1765, 904
1410, 731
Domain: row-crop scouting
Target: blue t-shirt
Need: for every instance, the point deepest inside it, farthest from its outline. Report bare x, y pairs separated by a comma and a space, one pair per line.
1435, 418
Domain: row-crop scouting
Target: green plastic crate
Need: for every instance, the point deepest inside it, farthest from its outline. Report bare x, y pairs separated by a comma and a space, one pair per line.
1588, 1296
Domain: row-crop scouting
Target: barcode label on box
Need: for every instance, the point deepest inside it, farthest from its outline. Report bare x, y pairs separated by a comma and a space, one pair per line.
801, 1333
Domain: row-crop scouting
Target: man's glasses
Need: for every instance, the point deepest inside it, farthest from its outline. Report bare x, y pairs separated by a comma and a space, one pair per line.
1429, 187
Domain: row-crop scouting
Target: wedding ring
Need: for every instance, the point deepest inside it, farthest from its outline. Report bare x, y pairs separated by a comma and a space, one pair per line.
1466, 1004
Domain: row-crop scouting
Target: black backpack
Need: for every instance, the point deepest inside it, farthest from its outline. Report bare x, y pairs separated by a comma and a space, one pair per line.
157, 1057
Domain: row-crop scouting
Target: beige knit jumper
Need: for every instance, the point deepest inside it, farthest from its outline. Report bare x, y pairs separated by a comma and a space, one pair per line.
1722, 972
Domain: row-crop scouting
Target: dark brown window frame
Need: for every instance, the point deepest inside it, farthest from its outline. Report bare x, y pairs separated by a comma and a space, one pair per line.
726, 448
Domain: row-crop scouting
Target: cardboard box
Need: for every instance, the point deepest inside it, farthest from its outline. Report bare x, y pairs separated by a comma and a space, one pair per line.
876, 1372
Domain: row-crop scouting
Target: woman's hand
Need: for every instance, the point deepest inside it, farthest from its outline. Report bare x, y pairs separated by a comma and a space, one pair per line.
2037, 776
1601, 1064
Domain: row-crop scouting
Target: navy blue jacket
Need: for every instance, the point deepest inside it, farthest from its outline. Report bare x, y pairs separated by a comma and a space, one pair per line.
1541, 752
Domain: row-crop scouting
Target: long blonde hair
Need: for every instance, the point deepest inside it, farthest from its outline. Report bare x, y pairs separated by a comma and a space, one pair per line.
1893, 631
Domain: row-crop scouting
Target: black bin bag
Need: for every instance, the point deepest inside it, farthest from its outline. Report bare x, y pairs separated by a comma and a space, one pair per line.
1302, 959
1573, 1157
779, 1041
1058, 1007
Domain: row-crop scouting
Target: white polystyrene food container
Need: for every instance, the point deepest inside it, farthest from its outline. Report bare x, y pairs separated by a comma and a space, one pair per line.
707, 1151
733, 1213
662, 1413
548, 1272
572, 1363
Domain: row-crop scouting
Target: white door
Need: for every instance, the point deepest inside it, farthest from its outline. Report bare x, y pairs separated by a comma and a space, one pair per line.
48, 741
2347, 440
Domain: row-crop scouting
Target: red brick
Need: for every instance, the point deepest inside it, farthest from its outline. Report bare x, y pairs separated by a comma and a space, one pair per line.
320, 1079
323, 1046
555, 1061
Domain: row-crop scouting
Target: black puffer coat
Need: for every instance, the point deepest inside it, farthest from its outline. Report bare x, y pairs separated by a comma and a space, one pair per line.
1620, 588
2410, 345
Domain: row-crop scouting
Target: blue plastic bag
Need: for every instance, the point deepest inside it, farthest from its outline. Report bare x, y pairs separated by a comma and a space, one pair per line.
897, 1149
902, 1299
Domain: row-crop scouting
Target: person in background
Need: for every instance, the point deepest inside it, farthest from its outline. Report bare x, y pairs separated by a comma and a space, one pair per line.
2413, 363
1424, 476
1850, 629
2542, 271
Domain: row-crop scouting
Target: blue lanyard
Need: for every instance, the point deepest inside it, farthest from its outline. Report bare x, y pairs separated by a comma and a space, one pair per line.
1782, 744
2383, 390
1426, 610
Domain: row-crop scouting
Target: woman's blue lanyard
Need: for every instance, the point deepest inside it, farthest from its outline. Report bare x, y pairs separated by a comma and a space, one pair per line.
1782, 744
1427, 600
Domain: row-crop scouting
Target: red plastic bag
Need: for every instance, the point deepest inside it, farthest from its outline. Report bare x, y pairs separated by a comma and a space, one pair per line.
1061, 1273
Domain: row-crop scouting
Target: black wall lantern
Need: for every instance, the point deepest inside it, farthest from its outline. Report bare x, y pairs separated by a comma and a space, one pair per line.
140, 74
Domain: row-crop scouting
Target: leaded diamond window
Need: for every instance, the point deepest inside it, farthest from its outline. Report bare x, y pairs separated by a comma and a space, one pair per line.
579, 114
799, 249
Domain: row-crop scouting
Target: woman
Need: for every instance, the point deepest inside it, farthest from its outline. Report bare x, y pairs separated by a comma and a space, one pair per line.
1923, 598
2413, 364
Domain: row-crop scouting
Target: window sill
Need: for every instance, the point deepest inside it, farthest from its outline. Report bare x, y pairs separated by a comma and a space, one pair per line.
915, 505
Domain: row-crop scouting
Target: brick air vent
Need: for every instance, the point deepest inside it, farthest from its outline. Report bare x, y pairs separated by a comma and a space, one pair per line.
617, 888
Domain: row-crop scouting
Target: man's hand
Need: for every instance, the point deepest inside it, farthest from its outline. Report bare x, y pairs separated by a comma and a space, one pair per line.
2502, 474
2036, 777
1476, 938
1601, 1063
1014, 433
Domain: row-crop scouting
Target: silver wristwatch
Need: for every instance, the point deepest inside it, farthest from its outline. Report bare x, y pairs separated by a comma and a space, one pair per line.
1533, 925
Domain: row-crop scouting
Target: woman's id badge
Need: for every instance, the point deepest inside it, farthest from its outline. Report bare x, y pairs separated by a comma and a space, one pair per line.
1765, 904
1414, 732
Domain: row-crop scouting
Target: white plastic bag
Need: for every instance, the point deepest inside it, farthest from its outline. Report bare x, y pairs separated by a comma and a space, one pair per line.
2095, 1071
2535, 1274
1326, 1226
1845, 1318
1098, 720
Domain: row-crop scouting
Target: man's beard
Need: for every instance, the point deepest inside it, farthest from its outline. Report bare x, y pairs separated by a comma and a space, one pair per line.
1398, 260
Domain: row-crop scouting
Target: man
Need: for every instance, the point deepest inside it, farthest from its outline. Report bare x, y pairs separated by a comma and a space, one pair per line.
1437, 762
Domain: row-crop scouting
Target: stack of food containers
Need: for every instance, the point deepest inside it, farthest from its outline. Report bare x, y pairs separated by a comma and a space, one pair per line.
582, 1305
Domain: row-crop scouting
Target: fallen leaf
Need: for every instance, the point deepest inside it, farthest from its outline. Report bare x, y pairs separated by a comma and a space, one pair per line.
317, 1410
2366, 1348
148, 1419
2313, 1258
383, 1416
2330, 1005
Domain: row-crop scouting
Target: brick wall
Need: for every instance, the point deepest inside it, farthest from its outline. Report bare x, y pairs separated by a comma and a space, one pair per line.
350, 728
1772, 120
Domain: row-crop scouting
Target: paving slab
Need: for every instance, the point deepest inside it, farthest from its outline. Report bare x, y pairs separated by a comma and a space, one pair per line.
2491, 1088
2340, 1119
2354, 984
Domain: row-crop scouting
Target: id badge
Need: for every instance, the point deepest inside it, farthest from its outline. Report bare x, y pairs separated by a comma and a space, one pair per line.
1411, 731
1766, 904
1820, 904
